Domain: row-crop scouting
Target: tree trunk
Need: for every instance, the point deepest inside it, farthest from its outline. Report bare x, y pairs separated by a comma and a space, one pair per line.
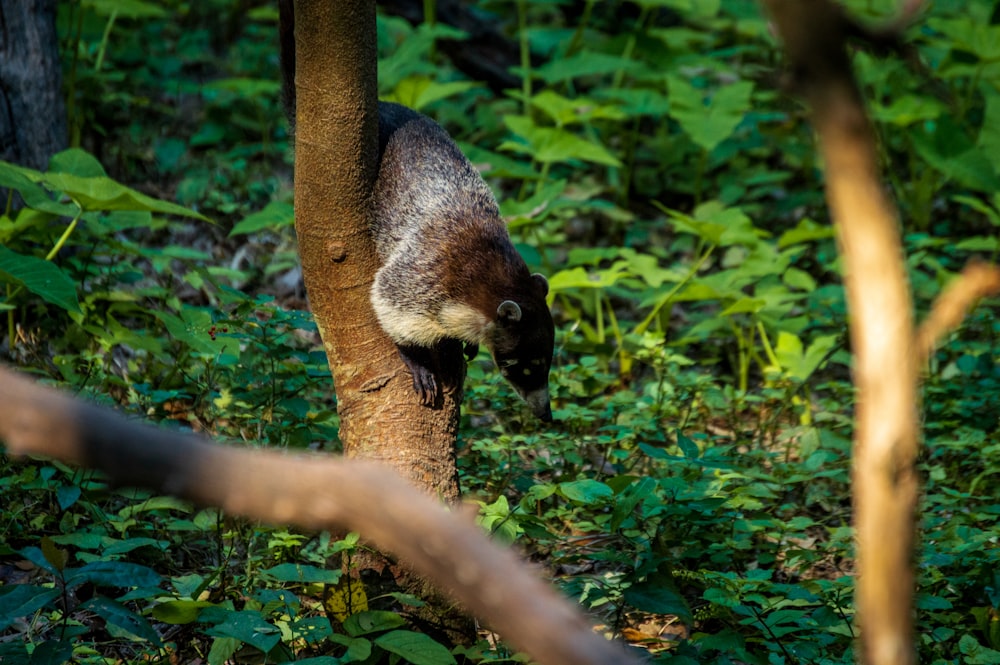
32, 108
335, 170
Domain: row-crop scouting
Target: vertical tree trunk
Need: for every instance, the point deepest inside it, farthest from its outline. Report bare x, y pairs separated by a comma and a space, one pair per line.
32, 108
336, 133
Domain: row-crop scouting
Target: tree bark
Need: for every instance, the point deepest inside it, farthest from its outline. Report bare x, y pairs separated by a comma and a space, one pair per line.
32, 108
336, 133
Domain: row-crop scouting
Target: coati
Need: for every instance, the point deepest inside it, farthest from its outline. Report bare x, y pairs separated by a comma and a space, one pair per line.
450, 275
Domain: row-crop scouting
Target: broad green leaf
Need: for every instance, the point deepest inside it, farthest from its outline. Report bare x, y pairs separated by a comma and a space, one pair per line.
246, 626
114, 574
687, 446
798, 279
27, 183
744, 306
77, 162
708, 120
659, 595
372, 621
275, 215
415, 648
908, 109
23, 600
57, 557
103, 193
41, 277
129, 544
118, 615
976, 653
67, 495
303, 573
631, 497
637, 101
805, 231
222, 650
586, 491
419, 92
358, 648
946, 147
550, 144
565, 111
721, 596
177, 612
586, 63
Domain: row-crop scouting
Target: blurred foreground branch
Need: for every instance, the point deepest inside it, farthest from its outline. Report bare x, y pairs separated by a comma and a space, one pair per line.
312, 492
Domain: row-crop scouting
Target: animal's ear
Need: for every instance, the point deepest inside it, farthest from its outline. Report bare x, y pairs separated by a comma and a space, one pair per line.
542, 282
509, 311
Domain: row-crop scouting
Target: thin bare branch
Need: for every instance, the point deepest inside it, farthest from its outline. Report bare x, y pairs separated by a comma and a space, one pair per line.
976, 281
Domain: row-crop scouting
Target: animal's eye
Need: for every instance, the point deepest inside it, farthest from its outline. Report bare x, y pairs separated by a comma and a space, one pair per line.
506, 364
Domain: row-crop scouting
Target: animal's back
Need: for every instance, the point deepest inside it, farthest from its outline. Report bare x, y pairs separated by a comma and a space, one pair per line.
438, 231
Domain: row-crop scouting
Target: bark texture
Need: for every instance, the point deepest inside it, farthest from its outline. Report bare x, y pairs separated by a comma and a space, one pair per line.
32, 108
335, 170
336, 150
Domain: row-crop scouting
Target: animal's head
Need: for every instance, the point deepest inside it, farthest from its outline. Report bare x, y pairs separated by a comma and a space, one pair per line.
522, 342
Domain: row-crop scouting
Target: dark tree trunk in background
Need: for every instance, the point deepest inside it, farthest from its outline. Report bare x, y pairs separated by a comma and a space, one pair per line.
32, 108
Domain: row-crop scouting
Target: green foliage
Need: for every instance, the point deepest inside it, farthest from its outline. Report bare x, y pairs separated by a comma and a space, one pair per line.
694, 494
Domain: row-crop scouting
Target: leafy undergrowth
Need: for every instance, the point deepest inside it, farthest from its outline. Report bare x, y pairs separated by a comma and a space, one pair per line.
694, 494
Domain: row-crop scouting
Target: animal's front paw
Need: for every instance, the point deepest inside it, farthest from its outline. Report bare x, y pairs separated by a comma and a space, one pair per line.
420, 362
425, 385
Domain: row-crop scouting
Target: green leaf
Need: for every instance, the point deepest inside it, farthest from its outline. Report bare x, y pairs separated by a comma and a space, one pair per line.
976, 653
27, 183
586, 491
659, 595
275, 215
41, 277
103, 193
179, 612
77, 162
118, 615
114, 574
419, 92
708, 120
23, 600
687, 446
247, 626
222, 650
631, 497
415, 648
302, 573
372, 621
946, 147
550, 144
589, 64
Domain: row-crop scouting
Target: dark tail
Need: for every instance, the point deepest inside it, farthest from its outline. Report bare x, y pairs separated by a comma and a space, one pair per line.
286, 49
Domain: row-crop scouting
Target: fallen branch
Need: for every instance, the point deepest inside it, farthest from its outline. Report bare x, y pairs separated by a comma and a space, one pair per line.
313, 492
